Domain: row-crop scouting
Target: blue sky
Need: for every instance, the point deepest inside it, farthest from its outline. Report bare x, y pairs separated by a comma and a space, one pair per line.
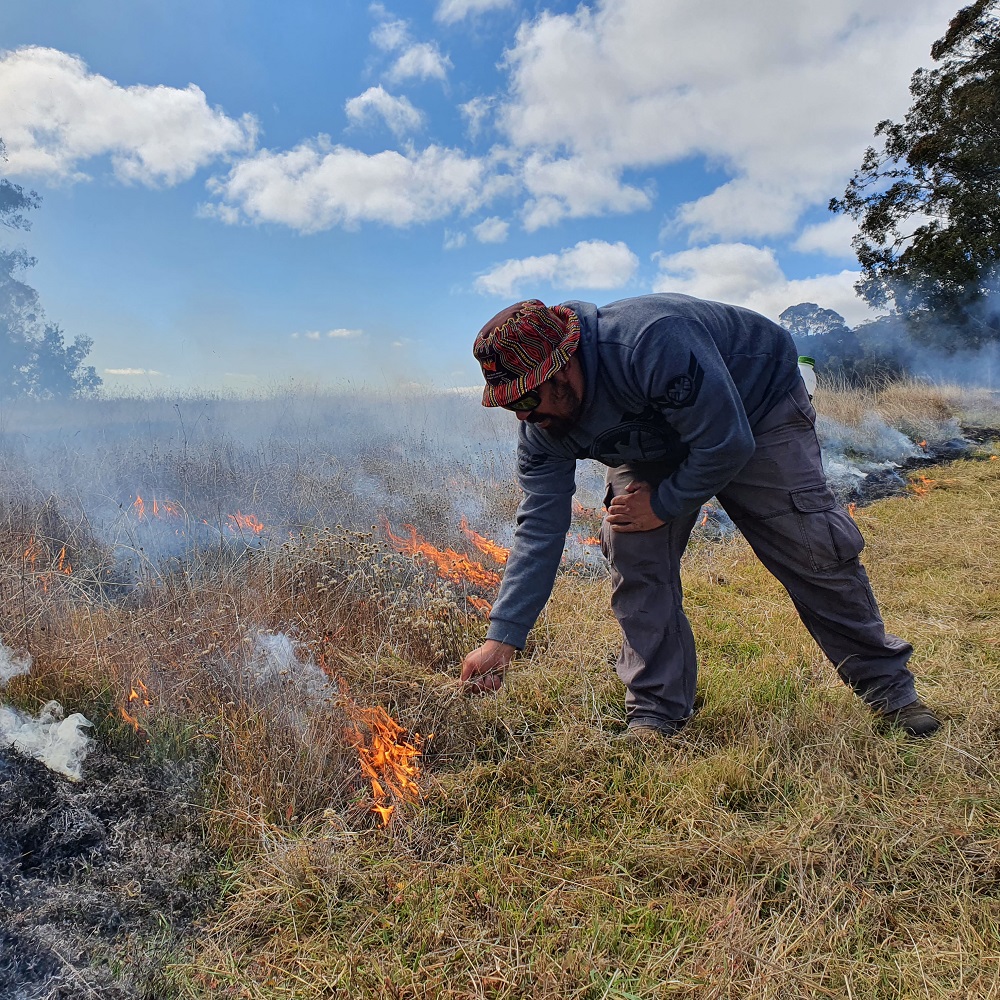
241, 196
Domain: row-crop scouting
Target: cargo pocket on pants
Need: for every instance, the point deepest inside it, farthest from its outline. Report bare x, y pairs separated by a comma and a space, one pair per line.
828, 532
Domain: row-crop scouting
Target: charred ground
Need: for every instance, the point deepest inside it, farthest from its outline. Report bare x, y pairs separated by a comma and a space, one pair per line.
98, 878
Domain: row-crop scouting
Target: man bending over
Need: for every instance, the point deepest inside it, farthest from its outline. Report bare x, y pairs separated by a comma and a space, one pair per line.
683, 399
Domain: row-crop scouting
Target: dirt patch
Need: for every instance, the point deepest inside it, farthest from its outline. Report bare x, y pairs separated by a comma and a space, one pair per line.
99, 879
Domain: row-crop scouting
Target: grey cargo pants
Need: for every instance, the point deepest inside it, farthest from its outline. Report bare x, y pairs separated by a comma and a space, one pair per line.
782, 505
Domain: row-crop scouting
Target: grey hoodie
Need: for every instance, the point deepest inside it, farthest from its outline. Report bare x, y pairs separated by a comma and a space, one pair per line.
668, 379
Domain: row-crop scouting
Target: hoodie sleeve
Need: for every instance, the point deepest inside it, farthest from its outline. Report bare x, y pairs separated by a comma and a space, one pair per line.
543, 519
677, 367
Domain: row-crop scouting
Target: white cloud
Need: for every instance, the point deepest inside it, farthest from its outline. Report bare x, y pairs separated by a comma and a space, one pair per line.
454, 239
421, 61
340, 333
832, 238
751, 276
590, 264
574, 187
391, 34
418, 60
397, 112
55, 114
450, 11
133, 371
491, 230
475, 113
781, 97
316, 186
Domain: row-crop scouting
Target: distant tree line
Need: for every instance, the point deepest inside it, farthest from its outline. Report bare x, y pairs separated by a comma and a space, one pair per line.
35, 359
880, 350
927, 201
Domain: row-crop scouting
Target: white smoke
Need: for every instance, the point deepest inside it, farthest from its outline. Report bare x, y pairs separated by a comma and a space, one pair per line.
274, 660
11, 666
872, 440
59, 743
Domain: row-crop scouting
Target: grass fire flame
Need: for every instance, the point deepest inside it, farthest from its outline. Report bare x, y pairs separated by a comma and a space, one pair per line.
450, 565
388, 760
485, 545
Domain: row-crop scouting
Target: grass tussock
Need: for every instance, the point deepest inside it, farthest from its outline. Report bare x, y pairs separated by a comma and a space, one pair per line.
779, 847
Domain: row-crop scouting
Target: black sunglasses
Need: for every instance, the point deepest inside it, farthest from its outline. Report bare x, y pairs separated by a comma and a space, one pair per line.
529, 401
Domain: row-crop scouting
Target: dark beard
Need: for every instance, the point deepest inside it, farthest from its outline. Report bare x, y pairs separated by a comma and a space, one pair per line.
560, 427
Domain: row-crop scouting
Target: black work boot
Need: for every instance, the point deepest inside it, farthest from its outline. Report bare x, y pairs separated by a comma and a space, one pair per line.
650, 734
645, 734
915, 719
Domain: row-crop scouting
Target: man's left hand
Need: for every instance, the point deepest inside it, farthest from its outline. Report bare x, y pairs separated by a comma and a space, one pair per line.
632, 511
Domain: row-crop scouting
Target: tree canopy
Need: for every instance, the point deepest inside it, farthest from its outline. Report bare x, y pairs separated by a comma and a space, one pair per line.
35, 359
928, 200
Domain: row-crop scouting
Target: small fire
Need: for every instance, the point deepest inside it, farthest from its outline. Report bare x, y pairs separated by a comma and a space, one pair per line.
135, 698
481, 605
32, 552
705, 512
244, 522
923, 444
588, 539
485, 545
450, 565
851, 508
156, 508
388, 760
584, 512
921, 485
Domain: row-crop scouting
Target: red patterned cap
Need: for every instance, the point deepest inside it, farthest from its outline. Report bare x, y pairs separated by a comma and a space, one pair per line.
522, 346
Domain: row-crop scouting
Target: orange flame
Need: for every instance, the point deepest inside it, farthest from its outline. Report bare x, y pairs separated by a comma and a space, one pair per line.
485, 545
921, 485
244, 522
158, 508
923, 444
851, 508
64, 564
580, 511
481, 605
135, 697
388, 761
450, 565
588, 539
705, 511
33, 552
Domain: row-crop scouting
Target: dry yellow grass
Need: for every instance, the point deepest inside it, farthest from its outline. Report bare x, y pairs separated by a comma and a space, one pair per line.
780, 847
918, 409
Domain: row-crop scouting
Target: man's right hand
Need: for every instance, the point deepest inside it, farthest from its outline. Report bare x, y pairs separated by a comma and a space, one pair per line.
483, 668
